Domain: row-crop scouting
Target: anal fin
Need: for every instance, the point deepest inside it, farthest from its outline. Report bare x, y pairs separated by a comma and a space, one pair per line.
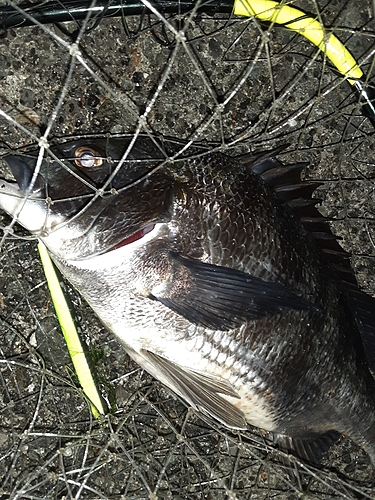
201, 390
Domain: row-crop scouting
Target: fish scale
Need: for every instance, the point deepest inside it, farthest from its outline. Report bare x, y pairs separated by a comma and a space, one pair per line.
212, 283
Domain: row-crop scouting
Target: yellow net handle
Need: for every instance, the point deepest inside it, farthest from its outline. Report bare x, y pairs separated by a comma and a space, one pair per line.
296, 20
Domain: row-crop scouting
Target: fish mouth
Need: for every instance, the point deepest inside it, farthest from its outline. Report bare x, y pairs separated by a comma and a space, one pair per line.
137, 235
22, 168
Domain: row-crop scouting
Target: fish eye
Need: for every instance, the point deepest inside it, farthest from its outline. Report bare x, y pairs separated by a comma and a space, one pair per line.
87, 157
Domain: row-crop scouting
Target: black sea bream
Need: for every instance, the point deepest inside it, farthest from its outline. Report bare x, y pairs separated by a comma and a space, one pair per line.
218, 277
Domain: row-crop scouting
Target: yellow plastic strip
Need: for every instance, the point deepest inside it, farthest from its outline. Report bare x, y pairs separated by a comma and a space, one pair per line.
298, 21
72, 339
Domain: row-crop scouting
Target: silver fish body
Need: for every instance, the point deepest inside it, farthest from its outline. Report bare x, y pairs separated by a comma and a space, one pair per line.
204, 272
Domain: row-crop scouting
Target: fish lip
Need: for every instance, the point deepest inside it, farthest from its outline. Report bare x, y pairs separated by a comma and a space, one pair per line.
137, 235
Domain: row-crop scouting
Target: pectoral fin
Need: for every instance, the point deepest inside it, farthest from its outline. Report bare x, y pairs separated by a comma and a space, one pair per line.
222, 298
202, 391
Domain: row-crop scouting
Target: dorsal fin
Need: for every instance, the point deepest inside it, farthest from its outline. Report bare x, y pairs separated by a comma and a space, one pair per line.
287, 175
255, 159
297, 194
363, 308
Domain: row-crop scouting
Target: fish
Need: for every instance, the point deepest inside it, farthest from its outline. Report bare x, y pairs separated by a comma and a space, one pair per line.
218, 276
